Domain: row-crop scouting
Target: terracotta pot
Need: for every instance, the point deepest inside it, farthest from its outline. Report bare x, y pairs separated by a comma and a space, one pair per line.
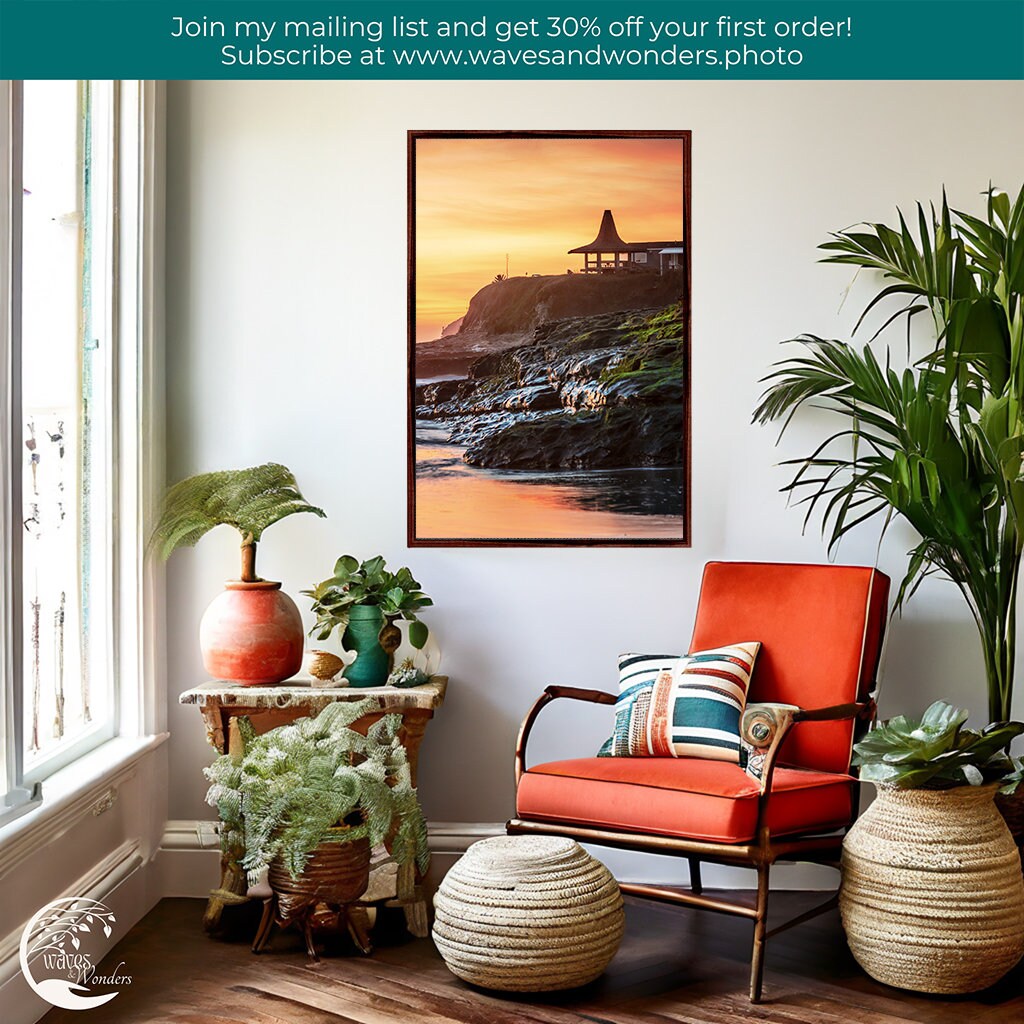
932, 897
252, 634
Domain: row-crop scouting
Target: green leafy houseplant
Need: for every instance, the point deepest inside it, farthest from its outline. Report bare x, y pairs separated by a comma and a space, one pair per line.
296, 784
935, 751
940, 443
250, 500
398, 595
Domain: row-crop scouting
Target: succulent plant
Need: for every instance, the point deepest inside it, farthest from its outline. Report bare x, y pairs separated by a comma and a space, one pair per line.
1013, 778
935, 751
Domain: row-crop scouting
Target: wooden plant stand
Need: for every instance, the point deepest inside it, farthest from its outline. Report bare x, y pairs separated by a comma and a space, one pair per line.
267, 707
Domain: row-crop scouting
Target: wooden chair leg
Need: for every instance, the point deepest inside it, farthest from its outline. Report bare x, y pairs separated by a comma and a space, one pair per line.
757, 954
695, 884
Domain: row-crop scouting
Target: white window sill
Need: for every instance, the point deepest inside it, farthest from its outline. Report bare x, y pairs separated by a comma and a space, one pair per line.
80, 788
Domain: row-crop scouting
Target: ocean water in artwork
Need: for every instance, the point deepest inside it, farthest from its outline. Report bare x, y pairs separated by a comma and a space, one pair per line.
459, 501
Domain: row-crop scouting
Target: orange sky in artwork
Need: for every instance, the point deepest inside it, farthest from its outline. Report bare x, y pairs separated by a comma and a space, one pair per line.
534, 199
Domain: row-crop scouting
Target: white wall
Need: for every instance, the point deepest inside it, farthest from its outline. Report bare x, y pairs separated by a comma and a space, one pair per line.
287, 341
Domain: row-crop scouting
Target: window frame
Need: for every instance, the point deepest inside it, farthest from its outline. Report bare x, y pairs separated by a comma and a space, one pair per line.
135, 636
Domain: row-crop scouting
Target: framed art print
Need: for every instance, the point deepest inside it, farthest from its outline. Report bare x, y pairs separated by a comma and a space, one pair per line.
549, 338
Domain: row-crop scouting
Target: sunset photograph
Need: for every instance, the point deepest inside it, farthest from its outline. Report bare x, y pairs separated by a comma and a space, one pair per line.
548, 308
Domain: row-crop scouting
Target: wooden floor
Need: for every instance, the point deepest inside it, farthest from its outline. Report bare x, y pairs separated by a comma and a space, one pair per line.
676, 966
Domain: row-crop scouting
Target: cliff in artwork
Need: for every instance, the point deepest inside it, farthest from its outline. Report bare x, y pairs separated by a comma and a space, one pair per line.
506, 314
599, 391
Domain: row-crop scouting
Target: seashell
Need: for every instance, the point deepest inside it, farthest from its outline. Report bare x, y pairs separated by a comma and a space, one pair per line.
323, 664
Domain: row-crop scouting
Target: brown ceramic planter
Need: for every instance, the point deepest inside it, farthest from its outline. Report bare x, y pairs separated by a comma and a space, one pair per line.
252, 634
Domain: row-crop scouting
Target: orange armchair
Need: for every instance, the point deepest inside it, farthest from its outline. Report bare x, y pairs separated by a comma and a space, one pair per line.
821, 630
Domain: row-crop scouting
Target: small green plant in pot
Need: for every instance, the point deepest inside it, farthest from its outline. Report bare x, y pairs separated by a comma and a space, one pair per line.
308, 801
362, 600
931, 860
252, 632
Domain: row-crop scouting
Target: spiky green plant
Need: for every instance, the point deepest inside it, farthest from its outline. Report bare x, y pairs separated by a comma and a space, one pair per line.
250, 500
935, 751
296, 783
941, 442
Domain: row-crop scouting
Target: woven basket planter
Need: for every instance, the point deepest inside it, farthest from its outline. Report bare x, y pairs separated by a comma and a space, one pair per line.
336, 873
932, 897
528, 914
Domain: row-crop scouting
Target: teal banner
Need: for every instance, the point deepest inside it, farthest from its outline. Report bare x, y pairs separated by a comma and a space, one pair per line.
513, 39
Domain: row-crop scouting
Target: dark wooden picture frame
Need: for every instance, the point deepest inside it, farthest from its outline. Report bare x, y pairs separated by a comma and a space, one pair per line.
510, 443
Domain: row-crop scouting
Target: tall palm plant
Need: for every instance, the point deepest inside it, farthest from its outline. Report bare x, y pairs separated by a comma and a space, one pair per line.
940, 442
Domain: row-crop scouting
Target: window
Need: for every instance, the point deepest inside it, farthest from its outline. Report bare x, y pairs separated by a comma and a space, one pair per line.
77, 344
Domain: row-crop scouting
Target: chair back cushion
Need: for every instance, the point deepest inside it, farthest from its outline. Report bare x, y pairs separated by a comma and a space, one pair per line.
820, 628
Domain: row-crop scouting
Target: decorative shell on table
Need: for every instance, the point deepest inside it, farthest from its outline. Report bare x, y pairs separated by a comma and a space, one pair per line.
323, 666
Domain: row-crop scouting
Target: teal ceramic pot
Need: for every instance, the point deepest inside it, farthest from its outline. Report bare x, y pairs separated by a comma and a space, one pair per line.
371, 665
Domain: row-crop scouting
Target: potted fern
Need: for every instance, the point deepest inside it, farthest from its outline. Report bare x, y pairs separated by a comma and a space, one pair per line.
931, 861
252, 632
307, 802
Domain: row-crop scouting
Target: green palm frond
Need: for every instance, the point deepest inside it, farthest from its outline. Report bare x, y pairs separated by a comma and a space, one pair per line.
942, 442
250, 500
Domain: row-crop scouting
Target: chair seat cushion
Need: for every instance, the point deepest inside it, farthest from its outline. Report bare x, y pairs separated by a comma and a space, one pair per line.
686, 797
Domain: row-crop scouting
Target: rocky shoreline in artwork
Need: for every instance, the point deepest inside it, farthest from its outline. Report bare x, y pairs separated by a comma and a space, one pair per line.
601, 391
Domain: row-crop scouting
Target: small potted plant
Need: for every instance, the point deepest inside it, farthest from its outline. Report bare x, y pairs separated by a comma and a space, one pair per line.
932, 896
363, 600
307, 802
252, 632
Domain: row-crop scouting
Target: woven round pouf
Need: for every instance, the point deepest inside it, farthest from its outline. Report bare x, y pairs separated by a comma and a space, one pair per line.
528, 914
932, 897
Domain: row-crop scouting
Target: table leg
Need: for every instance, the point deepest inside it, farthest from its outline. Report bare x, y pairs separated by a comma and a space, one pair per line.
233, 882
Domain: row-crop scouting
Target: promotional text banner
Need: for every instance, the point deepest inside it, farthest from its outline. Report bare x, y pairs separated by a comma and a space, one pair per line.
513, 39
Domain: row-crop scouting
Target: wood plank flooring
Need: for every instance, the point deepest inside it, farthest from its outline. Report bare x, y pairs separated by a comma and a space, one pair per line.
676, 966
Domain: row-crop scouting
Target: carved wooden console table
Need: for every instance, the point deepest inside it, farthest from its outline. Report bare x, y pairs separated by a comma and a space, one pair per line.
266, 707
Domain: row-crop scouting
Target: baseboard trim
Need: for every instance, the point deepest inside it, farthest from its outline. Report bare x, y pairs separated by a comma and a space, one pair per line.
443, 836
189, 860
189, 855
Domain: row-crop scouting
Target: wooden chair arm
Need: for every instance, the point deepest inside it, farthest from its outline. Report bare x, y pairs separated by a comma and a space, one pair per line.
836, 713
552, 693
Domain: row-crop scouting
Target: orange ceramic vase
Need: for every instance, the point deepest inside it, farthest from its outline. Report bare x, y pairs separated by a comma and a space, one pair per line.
252, 634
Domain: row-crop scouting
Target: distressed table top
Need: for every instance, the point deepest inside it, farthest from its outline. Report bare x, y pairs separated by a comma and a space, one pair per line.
301, 692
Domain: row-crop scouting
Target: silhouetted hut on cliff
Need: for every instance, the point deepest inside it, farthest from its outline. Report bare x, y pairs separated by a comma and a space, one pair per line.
609, 253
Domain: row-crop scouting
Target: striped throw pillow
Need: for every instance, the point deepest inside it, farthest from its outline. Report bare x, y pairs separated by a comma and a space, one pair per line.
671, 706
